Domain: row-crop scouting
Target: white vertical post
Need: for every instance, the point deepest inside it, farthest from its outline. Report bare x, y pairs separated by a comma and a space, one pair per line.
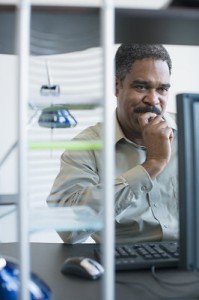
108, 154
23, 34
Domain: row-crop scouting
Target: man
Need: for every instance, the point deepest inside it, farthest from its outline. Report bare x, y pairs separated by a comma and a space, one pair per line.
146, 204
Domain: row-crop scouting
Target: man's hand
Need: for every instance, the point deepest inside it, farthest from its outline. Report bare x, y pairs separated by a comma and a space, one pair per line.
157, 137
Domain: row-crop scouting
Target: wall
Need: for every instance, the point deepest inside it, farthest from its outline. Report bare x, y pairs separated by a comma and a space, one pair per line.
185, 69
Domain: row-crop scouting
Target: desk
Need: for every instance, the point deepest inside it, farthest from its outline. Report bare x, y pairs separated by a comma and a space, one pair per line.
47, 259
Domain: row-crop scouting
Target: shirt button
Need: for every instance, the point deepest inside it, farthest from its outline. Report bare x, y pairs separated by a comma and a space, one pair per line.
155, 205
166, 226
144, 188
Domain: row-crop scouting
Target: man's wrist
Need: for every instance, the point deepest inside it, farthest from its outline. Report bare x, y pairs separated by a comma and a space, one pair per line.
154, 167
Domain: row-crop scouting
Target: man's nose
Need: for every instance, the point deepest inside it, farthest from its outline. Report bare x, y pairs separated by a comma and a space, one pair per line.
151, 97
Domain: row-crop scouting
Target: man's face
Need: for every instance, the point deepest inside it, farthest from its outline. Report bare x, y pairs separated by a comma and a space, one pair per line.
144, 89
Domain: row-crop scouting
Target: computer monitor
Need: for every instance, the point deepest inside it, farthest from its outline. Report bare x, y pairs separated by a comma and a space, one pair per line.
188, 151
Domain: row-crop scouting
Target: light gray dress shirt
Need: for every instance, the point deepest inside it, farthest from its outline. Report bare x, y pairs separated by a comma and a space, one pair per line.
145, 209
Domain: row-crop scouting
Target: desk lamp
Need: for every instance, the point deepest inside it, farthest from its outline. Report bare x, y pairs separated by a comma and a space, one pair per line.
55, 116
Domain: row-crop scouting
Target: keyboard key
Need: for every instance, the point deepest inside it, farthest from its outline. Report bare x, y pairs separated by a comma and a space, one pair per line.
144, 255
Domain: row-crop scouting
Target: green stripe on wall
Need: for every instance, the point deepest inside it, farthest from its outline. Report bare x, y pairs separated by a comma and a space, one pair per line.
70, 145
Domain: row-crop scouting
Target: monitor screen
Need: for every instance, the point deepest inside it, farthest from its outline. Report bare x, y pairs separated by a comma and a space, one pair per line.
188, 157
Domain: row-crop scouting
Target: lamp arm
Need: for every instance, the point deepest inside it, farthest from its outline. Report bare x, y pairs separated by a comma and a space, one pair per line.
14, 145
8, 153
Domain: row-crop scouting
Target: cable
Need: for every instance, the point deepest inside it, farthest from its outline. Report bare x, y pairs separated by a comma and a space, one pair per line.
163, 281
137, 283
156, 295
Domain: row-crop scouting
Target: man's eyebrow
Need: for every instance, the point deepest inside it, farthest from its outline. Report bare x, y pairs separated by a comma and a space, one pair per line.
165, 85
137, 81
147, 83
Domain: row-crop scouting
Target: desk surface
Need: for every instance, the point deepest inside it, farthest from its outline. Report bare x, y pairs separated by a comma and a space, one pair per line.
47, 260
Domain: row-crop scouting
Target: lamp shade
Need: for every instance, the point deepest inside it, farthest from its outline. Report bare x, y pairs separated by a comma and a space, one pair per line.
56, 116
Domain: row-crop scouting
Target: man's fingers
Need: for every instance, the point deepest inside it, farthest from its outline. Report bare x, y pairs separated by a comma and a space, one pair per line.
170, 134
144, 119
153, 119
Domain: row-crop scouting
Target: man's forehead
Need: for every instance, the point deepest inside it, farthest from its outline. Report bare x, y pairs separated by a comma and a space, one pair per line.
146, 60
148, 66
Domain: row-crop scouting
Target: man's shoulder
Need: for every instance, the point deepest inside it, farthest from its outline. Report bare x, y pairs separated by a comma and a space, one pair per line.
91, 132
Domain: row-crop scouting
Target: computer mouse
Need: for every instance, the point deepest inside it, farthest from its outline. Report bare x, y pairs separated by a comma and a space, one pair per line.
83, 267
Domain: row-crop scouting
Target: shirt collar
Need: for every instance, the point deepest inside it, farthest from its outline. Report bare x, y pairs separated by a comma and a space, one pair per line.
118, 131
171, 120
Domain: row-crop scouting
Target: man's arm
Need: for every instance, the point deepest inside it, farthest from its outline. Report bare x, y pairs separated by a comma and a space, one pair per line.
79, 183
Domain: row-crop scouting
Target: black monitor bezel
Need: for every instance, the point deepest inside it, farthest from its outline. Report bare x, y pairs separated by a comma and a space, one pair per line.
188, 167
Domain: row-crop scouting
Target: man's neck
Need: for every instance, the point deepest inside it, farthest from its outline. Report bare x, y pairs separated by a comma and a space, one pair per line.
135, 138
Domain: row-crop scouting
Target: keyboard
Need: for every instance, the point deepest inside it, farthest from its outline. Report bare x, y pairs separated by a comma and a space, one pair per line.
164, 254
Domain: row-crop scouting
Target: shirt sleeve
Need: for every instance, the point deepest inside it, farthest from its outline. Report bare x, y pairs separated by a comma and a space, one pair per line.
131, 186
79, 183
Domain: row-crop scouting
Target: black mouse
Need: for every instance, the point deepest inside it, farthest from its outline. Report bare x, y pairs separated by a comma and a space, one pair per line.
82, 267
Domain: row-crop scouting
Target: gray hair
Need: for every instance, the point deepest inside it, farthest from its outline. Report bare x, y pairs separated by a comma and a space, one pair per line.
127, 54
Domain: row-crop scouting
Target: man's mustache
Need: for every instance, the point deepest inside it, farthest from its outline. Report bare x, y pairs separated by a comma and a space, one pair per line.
152, 109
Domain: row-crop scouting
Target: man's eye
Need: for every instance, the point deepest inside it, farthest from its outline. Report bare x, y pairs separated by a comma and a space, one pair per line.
163, 90
140, 87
